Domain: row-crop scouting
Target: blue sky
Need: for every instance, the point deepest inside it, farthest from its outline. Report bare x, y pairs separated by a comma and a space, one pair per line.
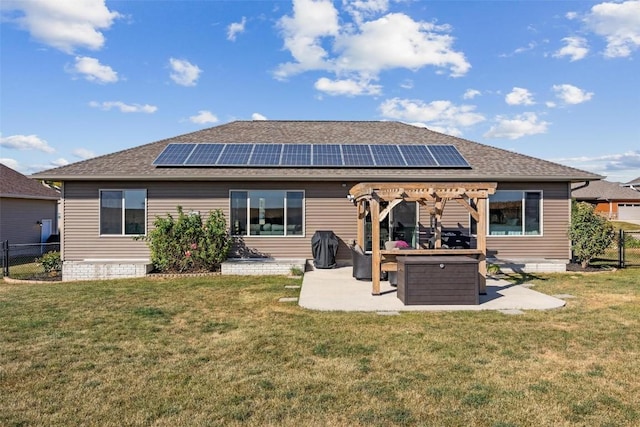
558, 80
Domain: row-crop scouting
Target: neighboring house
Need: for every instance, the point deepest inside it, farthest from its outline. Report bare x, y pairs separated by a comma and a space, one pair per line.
613, 200
28, 208
271, 182
634, 184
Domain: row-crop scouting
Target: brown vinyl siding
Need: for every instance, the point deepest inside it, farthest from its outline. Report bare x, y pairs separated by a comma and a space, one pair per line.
326, 208
553, 243
18, 219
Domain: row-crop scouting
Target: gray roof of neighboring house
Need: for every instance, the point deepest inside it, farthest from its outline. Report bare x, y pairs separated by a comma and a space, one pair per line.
605, 190
487, 163
16, 185
634, 182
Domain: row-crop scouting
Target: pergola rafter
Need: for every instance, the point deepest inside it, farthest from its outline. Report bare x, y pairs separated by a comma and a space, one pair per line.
471, 195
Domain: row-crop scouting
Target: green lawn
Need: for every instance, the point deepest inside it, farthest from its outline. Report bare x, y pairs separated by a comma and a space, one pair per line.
224, 351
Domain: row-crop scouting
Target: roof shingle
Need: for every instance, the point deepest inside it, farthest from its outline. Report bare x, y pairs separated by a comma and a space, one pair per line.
486, 162
14, 184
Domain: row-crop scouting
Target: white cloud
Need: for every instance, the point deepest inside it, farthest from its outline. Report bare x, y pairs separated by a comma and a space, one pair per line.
64, 25
521, 125
575, 48
621, 167
258, 116
183, 72
519, 96
83, 153
407, 84
26, 142
11, 163
346, 87
124, 108
572, 95
619, 24
204, 117
236, 28
437, 115
92, 70
361, 9
471, 93
59, 162
358, 50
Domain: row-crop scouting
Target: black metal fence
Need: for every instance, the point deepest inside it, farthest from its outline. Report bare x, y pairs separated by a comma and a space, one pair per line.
23, 261
629, 249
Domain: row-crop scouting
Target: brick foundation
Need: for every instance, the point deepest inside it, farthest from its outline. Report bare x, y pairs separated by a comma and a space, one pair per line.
107, 269
261, 266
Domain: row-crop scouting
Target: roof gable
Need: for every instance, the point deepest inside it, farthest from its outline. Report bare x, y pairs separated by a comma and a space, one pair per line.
15, 184
486, 162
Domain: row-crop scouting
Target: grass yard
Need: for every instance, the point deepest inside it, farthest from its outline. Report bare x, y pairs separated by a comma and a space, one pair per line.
224, 351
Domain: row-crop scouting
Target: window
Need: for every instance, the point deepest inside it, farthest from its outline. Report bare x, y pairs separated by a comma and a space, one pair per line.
515, 213
267, 213
123, 212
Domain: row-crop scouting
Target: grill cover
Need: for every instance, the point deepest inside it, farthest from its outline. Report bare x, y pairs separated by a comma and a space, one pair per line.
324, 246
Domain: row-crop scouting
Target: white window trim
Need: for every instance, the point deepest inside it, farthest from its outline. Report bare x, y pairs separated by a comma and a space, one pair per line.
516, 236
117, 236
271, 236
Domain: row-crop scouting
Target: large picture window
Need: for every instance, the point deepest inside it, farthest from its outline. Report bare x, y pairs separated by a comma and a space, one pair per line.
267, 213
123, 212
515, 213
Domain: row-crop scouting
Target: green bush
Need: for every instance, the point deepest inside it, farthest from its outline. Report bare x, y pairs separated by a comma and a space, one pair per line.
186, 244
590, 233
50, 261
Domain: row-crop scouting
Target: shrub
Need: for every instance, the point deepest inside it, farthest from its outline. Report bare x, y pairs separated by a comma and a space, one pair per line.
50, 261
186, 244
590, 233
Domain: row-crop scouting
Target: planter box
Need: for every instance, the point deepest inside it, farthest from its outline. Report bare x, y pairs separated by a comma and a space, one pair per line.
430, 280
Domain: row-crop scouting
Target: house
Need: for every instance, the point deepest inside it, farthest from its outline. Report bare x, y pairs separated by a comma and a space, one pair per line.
613, 200
278, 182
28, 208
633, 184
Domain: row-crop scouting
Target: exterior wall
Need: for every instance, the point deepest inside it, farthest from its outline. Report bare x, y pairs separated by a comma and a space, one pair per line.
607, 209
556, 215
19, 217
326, 208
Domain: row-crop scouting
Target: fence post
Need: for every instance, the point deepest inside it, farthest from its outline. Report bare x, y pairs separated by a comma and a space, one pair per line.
5, 258
621, 254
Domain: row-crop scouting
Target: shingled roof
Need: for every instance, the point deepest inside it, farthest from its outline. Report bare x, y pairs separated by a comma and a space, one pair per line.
487, 163
634, 182
605, 191
14, 184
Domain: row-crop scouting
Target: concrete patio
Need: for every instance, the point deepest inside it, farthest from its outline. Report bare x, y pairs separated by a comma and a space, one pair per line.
336, 290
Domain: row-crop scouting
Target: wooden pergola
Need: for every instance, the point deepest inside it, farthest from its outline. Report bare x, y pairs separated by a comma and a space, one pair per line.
471, 195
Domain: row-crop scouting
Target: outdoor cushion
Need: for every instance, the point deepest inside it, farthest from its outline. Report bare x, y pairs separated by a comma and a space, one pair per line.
266, 227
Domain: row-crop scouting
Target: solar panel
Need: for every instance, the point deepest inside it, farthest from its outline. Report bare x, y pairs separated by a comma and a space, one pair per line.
312, 155
417, 156
204, 155
326, 155
174, 155
296, 155
235, 155
387, 155
266, 155
357, 155
447, 155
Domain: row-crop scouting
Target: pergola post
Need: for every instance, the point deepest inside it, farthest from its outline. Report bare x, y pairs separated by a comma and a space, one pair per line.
375, 246
481, 243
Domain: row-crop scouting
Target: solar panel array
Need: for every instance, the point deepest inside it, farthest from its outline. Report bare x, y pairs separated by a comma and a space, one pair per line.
312, 155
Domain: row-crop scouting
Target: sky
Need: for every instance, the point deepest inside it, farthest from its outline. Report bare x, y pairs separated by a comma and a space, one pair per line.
557, 80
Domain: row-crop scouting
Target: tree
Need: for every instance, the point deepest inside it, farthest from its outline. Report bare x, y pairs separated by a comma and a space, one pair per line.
590, 233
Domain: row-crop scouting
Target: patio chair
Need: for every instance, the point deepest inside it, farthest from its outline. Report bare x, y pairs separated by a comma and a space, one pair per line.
361, 263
